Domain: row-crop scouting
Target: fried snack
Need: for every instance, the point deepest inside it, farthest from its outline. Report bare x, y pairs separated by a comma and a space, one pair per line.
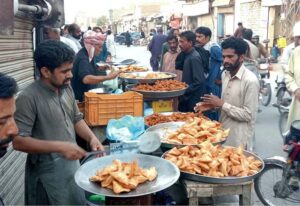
123, 176
196, 131
150, 75
174, 117
215, 161
133, 68
162, 85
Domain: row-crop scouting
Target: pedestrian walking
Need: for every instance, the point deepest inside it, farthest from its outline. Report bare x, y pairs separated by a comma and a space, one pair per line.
155, 47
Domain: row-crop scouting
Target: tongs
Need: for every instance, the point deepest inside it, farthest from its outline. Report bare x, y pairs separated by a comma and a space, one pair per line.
147, 143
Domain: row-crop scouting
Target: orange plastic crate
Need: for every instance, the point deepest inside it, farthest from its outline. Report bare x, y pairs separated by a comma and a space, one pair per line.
100, 108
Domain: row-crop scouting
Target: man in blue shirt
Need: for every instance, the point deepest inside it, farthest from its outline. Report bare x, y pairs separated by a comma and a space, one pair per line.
213, 86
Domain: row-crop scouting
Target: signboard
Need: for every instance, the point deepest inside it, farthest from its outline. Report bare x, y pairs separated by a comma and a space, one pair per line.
221, 3
196, 9
271, 2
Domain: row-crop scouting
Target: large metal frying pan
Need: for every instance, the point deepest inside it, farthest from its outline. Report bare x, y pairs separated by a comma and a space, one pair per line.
168, 174
222, 180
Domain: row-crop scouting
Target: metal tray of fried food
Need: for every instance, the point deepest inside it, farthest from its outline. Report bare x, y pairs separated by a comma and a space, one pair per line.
222, 180
140, 77
157, 95
167, 174
164, 128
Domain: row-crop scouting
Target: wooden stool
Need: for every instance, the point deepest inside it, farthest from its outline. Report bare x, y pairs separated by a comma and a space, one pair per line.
198, 189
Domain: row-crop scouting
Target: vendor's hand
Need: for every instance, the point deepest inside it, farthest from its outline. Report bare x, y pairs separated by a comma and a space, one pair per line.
297, 94
113, 75
96, 145
212, 100
103, 67
202, 107
71, 151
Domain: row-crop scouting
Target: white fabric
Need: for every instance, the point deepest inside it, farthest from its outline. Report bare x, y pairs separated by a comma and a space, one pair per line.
292, 80
240, 94
111, 47
70, 43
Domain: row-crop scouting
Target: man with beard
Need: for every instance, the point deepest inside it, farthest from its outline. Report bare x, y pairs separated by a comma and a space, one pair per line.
48, 120
168, 59
75, 35
192, 72
8, 127
238, 103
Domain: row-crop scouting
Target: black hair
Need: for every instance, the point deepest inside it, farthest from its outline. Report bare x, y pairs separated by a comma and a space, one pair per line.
238, 44
247, 34
72, 28
240, 24
8, 86
204, 30
159, 30
171, 37
173, 30
66, 27
189, 35
108, 32
52, 54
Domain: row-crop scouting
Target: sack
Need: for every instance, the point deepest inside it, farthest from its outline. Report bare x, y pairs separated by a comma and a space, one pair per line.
125, 129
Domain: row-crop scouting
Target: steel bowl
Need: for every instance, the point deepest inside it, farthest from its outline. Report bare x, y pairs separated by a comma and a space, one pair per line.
141, 78
156, 95
167, 174
222, 180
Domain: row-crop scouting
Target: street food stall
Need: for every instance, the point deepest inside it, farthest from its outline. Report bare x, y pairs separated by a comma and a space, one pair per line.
190, 148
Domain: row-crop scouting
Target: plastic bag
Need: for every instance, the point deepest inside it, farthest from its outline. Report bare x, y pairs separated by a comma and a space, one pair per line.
125, 129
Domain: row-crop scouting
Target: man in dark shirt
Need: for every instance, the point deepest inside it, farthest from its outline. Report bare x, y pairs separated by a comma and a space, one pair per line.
155, 47
85, 72
193, 72
8, 127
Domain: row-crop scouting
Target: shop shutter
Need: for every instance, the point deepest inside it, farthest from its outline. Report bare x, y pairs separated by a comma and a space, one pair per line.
16, 60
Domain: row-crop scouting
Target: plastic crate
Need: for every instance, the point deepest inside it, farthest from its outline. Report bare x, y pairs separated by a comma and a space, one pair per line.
162, 106
100, 108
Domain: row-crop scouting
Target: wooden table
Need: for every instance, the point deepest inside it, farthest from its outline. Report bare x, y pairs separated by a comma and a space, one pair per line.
198, 189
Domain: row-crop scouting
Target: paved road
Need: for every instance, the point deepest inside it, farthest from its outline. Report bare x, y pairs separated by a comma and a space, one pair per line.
268, 141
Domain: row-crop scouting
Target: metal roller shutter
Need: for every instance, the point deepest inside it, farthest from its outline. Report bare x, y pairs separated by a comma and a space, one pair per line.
16, 60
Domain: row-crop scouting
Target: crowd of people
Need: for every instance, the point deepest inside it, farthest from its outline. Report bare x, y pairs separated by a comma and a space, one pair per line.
220, 85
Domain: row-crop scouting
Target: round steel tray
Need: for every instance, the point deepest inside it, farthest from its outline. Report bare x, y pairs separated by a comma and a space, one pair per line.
163, 128
156, 95
141, 78
167, 174
222, 180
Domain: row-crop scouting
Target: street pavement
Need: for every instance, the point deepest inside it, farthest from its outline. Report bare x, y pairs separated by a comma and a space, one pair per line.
268, 141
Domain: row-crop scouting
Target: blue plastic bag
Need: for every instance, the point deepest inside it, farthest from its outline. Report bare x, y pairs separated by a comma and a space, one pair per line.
125, 129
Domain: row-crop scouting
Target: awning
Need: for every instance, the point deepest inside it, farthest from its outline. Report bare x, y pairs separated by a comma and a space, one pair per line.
196, 9
220, 3
271, 2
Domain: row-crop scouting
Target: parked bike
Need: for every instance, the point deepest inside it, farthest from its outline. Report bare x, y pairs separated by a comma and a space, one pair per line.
264, 66
283, 96
278, 183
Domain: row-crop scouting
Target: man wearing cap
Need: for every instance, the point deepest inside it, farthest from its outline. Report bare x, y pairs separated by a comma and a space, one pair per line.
292, 78
8, 127
84, 69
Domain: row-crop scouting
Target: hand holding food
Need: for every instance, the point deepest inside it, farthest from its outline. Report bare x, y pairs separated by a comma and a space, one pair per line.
123, 176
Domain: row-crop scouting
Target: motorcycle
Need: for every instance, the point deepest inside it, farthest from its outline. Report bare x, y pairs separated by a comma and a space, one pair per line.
283, 96
278, 184
264, 67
